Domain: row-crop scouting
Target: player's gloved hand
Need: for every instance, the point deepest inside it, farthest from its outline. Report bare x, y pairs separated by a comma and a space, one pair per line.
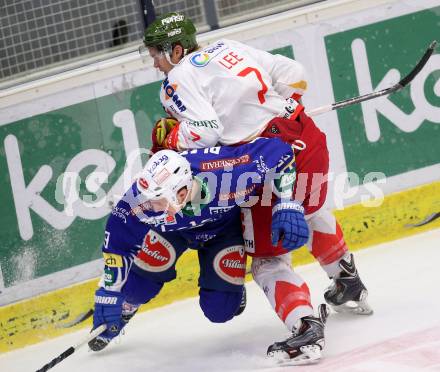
108, 311
289, 225
164, 134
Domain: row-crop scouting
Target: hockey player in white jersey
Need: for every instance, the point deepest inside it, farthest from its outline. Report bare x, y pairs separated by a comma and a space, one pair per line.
230, 93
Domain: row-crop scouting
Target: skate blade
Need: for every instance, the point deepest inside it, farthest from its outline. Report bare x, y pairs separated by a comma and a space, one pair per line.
310, 354
360, 307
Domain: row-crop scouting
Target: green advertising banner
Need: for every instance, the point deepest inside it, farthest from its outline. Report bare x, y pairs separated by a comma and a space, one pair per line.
41, 234
400, 132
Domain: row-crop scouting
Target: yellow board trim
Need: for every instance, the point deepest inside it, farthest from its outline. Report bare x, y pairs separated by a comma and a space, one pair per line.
39, 318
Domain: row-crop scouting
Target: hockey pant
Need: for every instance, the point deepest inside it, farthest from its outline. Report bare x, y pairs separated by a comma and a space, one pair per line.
222, 269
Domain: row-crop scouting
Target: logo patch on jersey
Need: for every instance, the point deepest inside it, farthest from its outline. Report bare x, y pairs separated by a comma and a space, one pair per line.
261, 165
159, 220
230, 264
239, 194
200, 59
204, 237
170, 92
222, 163
120, 213
274, 129
170, 89
157, 253
109, 277
112, 260
215, 211
204, 123
287, 180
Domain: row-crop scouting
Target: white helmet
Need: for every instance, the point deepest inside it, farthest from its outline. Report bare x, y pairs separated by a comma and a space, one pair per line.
165, 174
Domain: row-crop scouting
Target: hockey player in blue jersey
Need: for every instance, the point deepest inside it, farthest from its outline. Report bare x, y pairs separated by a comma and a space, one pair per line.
192, 200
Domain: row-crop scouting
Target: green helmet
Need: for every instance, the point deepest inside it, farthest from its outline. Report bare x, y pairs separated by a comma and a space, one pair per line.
169, 29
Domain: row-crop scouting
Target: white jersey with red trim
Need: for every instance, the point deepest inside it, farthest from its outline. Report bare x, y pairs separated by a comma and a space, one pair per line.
227, 93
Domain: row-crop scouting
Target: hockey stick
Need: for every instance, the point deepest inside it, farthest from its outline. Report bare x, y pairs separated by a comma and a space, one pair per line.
429, 219
79, 319
96, 332
400, 85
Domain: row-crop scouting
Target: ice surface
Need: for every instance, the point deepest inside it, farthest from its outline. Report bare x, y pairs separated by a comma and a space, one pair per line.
403, 334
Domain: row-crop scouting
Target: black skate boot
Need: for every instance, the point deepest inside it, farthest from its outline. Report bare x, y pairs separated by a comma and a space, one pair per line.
128, 311
347, 293
305, 344
242, 303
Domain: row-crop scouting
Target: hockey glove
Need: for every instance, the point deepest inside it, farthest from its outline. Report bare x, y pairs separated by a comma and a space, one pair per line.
289, 225
108, 310
161, 135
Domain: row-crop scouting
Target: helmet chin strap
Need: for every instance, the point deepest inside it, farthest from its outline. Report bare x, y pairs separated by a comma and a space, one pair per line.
168, 57
169, 61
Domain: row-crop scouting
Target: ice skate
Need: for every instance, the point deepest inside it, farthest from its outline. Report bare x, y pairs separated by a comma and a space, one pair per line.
305, 344
99, 343
347, 293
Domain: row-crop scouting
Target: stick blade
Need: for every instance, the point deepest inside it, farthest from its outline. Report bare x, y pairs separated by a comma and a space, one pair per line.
79, 319
408, 78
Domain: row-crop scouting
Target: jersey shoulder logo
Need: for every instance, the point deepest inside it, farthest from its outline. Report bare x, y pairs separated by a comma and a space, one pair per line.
113, 260
201, 59
170, 91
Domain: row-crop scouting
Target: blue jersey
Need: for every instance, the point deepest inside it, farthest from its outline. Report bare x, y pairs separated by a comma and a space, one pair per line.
229, 176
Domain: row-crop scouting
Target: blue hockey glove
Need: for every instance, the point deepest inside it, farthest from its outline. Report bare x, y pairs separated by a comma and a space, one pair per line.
108, 310
289, 225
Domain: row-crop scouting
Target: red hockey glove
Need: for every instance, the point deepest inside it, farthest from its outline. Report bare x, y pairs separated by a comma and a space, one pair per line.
171, 139
161, 130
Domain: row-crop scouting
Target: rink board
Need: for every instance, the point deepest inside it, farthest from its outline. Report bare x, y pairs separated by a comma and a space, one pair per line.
34, 320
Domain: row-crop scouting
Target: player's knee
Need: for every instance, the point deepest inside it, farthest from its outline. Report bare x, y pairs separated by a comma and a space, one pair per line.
264, 268
139, 290
219, 307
